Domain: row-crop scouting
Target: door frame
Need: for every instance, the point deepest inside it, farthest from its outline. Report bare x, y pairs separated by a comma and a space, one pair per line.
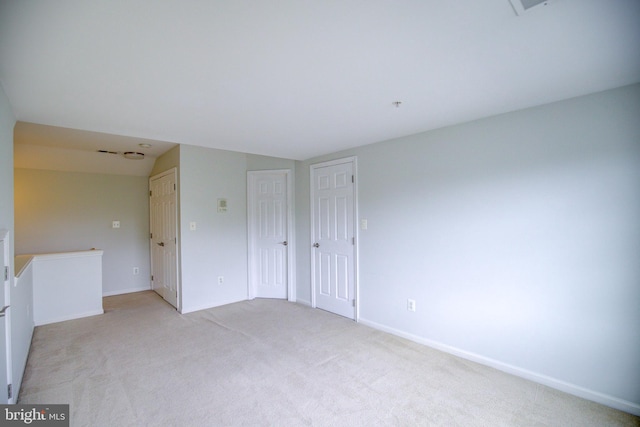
6, 289
251, 232
173, 171
356, 254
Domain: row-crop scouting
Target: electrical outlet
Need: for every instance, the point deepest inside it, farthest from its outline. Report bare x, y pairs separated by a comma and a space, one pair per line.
220, 280
115, 224
136, 271
411, 305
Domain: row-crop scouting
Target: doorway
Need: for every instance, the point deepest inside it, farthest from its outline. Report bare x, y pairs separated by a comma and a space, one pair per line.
333, 237
270, 225
163, 211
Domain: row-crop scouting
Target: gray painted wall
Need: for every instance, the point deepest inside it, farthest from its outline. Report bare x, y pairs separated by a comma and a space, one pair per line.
68, 211
218, 246
517, 235
7, 122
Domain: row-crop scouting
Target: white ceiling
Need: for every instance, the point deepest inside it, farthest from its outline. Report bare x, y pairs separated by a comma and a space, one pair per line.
300, 78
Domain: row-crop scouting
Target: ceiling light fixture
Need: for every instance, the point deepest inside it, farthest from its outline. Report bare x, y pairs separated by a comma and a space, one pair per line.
144, 145
133, 155
397, 103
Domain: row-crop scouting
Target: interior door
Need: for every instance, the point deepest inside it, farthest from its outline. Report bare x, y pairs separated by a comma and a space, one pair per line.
333, 237
5, 353
163, 224
268, 216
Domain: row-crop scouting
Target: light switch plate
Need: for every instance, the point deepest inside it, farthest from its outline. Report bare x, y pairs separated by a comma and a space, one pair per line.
192, 226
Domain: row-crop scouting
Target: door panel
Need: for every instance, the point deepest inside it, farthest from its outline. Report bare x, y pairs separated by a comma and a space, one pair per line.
333, 219
5, 352
163, 208
268, 210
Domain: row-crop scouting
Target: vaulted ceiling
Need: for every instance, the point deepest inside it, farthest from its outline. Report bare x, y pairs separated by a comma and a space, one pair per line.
297, 79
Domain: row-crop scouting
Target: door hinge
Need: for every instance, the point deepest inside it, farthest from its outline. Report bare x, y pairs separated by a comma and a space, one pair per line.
152, 278
174, 186
353, 179
151, 235
6, 273
175, 240
9, 391
150, 193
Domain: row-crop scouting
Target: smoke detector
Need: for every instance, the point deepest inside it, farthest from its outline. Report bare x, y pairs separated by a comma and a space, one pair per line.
522, 6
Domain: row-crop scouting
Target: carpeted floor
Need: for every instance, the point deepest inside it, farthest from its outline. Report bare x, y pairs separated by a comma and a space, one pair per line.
270, 362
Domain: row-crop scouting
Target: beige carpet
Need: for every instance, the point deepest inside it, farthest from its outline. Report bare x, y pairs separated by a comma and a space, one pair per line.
270, 362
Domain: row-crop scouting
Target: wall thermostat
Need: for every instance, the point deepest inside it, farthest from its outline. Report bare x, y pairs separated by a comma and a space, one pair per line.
222, 205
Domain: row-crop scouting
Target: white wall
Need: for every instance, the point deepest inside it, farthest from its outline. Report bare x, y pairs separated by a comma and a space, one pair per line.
22, 323
218, 246
69, 211
517, 235
256, 162
7, 122
66, 285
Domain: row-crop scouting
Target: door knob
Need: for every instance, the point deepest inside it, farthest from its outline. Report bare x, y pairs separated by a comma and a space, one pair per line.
316, 245
161, 244
284, 243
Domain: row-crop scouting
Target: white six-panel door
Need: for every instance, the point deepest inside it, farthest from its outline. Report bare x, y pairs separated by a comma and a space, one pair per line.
333, 211
269, 241
163, 225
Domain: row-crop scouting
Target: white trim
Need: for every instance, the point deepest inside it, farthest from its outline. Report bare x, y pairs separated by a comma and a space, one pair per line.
73, 317
167, 172
174, 171
291, 250
5, 237
66, 255
126, 291
604, 399
356, 270
208, 306
303, 302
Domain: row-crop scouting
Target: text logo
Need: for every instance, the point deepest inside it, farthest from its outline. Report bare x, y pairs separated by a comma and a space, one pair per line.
34, 415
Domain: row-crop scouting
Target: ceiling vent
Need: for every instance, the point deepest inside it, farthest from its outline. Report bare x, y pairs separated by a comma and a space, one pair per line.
522, 6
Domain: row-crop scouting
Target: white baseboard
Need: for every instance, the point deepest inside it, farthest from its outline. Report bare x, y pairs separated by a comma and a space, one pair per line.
604, 399
72, 317
125, 291
207, 306
303, 302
